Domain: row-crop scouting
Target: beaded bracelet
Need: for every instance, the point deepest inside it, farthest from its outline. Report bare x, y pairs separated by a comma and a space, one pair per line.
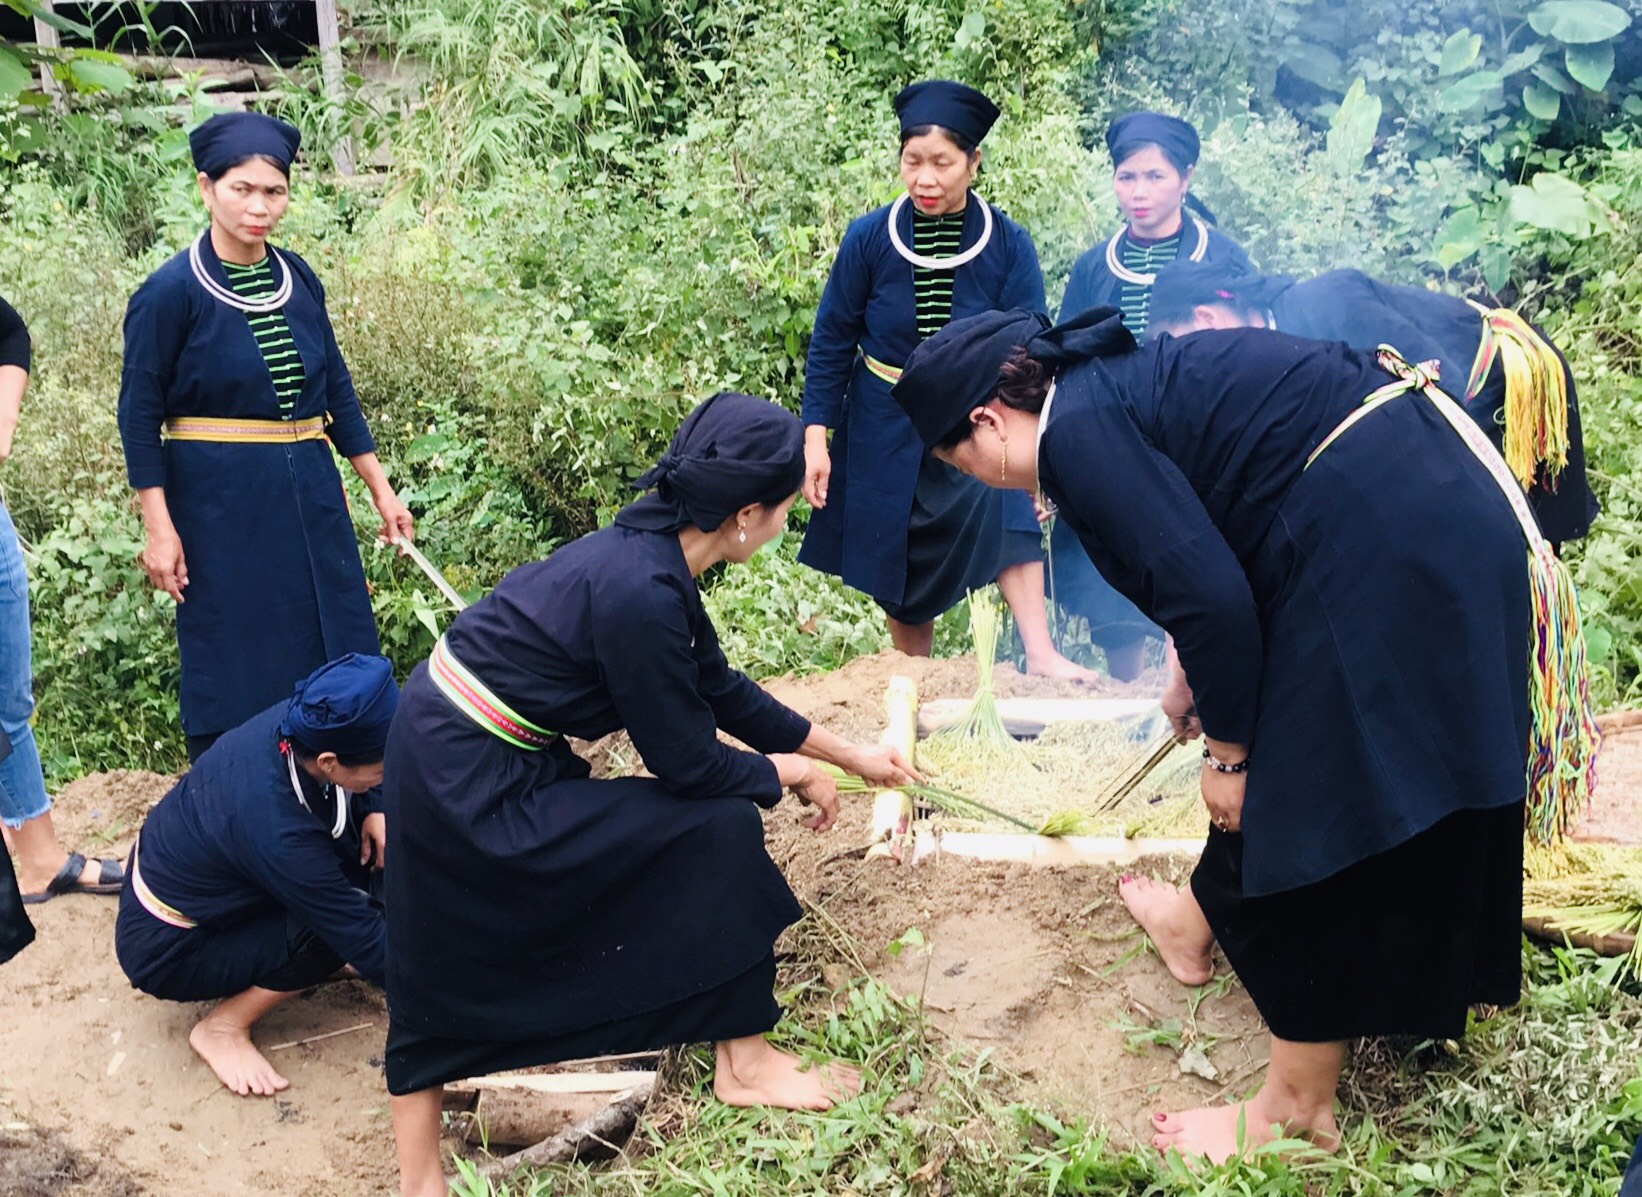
1220, 766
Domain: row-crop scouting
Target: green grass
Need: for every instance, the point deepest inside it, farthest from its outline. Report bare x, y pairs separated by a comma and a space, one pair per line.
1543, 1099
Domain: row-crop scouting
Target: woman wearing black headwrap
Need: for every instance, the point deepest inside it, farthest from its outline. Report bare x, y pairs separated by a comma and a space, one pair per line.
1471, 343
1349, 602
233, 394
535, 915
1153, 157
888, 518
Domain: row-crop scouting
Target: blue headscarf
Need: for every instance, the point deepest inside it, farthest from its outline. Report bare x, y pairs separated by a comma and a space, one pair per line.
952, 106
955, 371
1177, 138
344, 707
231, 137
731, 451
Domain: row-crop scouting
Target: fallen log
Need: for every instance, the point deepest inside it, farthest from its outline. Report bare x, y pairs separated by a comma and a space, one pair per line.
602, 1130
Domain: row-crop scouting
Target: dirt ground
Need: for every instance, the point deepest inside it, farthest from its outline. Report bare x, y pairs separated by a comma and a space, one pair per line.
100, 1095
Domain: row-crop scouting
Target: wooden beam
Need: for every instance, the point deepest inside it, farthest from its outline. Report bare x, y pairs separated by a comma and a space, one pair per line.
1029, 717
1042, 850
45, 36
560, 1082
330, 61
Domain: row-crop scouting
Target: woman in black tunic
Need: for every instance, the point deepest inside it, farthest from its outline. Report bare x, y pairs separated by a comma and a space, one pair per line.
1368, 686
535, 915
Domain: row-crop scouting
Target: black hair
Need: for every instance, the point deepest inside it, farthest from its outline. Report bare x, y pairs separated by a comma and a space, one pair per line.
957, 139
1023, 385
1184, 285
282, 167
307, 756
1126, 150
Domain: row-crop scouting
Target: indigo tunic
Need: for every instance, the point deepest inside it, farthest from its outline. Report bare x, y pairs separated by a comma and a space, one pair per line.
235, 849
275, 585
529, 904
1076, 586
1349, 306
1363, 625
869, 307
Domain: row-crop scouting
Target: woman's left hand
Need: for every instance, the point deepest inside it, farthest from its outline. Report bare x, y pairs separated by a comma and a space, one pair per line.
1223, 795
818, 789
373, 840
397, 520
880, 765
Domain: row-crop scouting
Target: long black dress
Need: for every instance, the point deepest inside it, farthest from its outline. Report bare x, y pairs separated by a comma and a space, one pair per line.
536, 915
1362, 624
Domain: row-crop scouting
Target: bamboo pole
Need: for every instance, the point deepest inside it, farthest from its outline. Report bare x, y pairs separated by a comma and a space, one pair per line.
1031, 716
1041, 850
892, 809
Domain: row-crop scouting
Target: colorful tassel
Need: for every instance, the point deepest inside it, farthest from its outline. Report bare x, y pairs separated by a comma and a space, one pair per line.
1536, 393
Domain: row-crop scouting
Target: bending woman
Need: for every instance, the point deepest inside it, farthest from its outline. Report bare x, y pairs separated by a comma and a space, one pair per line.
535, 915
1531, 414
229, 354
888, 518
1363, 691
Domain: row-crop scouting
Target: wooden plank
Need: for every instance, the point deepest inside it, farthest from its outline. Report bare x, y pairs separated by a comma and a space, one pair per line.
330, 61
560, 1082
1039, 851
45, 36
1028, 717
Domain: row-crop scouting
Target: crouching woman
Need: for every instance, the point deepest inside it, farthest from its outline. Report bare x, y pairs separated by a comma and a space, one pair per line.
248, 882
536, 915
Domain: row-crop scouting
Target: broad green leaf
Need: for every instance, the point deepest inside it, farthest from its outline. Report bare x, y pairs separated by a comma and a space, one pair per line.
1543, 102
971, 30
1598, 642
1351, 132
1522, 59
89, 74
1579, 22
1316, 64
55, 19
1551, 77
1470, 91
1450, 254
1459, 52
1555, 202
1495, 261
1590, 65
15, 76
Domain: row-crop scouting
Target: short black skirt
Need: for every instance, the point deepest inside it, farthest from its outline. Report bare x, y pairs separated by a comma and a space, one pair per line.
741, 1006
1403, 943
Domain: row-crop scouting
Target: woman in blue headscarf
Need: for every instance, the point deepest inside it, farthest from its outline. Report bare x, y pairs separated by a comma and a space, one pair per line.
1153, 158
536, 915
233, 394
888, 518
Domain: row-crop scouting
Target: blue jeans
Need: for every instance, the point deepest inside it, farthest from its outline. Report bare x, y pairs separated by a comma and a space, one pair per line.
22, 784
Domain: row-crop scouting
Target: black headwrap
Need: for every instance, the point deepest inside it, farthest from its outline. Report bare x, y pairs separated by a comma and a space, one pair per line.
1183, 285
1175, 137
952, 106
345, 707
231, 137
956, 370
731, 451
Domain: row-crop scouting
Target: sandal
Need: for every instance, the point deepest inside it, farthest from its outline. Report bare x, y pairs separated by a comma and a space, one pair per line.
110, 880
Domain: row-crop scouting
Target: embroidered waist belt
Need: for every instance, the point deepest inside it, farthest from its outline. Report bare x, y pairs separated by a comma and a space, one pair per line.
890, 374
227, 431
474, 699
149, 901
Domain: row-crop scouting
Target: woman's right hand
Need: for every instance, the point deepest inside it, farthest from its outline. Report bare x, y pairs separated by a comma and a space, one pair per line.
817, 466
164, 564
1178, 704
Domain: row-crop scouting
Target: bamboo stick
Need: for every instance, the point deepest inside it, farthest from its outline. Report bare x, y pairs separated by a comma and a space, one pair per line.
1039, 850
1029, 717
892, 809
561, 1082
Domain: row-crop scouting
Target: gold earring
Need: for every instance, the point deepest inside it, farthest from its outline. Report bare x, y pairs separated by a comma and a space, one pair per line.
1003, 462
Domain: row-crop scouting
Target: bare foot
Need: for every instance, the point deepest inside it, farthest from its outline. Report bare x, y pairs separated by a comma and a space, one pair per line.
227, 1048
750, 1074
1170, 916
1054, 665
1217, 1133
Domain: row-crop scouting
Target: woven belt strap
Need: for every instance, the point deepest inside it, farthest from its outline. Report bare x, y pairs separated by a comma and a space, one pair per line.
149, 901
474, 699
890, 374
228, 431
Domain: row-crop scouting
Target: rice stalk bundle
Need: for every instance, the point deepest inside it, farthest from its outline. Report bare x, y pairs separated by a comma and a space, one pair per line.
1591, 905
982, 728
930, 795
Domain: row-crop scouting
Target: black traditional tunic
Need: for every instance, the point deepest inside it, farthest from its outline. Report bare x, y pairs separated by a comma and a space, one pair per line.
1349, 306
255, 853
1362, 624
535, 914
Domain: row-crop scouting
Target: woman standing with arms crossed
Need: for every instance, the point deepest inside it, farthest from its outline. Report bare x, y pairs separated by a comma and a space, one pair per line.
230, 354
888, 518
1153, 158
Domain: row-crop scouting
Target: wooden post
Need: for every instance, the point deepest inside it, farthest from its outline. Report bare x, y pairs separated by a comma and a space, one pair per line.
45, 36
330, 61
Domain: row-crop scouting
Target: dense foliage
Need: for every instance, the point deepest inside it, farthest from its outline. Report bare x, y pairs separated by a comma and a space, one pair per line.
588, 216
